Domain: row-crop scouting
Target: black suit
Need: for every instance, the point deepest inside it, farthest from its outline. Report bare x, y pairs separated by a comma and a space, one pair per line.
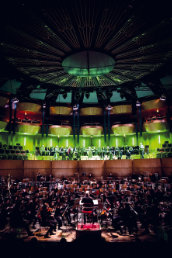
87, 206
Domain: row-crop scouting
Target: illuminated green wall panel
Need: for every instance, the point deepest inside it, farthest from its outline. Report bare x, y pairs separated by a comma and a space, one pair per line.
116, 141
98, 141
156, 140
170, 138
84, 141
66, 141
2, 125
47, 141
4, 138
131, 140
25, 140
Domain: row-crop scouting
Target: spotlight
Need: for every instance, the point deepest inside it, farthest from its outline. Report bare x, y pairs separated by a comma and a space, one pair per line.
75, 107
109, 107
163, 97
14, 100
138, 104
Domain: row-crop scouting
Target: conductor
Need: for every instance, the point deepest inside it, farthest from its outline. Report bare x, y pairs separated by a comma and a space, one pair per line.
88, 204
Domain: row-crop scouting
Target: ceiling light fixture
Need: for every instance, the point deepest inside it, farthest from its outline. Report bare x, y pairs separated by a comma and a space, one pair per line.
14, 100
138, 104
109, 107
163, 97
75, 107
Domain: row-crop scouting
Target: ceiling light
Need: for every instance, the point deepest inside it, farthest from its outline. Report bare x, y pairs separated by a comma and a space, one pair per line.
163, 97
75, 107
109, 107
138, 104
14, 100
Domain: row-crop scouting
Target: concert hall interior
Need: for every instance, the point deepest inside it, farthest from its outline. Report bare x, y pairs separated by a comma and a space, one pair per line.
86, 123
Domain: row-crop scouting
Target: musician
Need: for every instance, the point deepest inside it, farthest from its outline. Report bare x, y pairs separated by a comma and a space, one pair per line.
128, 153
89, 153
42, 150
67, 215
58, 216
48, 220
141, 148
120, 153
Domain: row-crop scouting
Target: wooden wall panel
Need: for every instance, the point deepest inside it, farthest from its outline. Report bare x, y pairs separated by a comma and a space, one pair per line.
14, 173
63, 172
12, 167
147, 166
28, 168
166, 164
32, 172
37, 164
95, 167
11, 164
64, 168
118, 168
33, 167
65, 164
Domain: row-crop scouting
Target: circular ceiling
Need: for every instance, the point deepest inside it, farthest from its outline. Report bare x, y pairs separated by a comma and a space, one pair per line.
88, 64
85, 44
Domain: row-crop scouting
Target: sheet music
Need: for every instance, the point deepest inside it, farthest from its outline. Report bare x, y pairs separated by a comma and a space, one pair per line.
94, 201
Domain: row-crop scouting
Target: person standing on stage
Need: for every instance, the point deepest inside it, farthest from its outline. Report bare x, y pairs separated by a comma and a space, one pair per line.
87, 206
141, 150
89, 153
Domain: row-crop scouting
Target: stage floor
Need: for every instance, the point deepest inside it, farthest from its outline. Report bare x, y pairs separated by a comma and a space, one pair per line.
69, 234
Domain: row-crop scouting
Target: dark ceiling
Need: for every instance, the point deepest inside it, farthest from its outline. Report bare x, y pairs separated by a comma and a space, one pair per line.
36, 38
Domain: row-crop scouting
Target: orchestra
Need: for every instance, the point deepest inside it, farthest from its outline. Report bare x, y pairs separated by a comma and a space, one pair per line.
120, 202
